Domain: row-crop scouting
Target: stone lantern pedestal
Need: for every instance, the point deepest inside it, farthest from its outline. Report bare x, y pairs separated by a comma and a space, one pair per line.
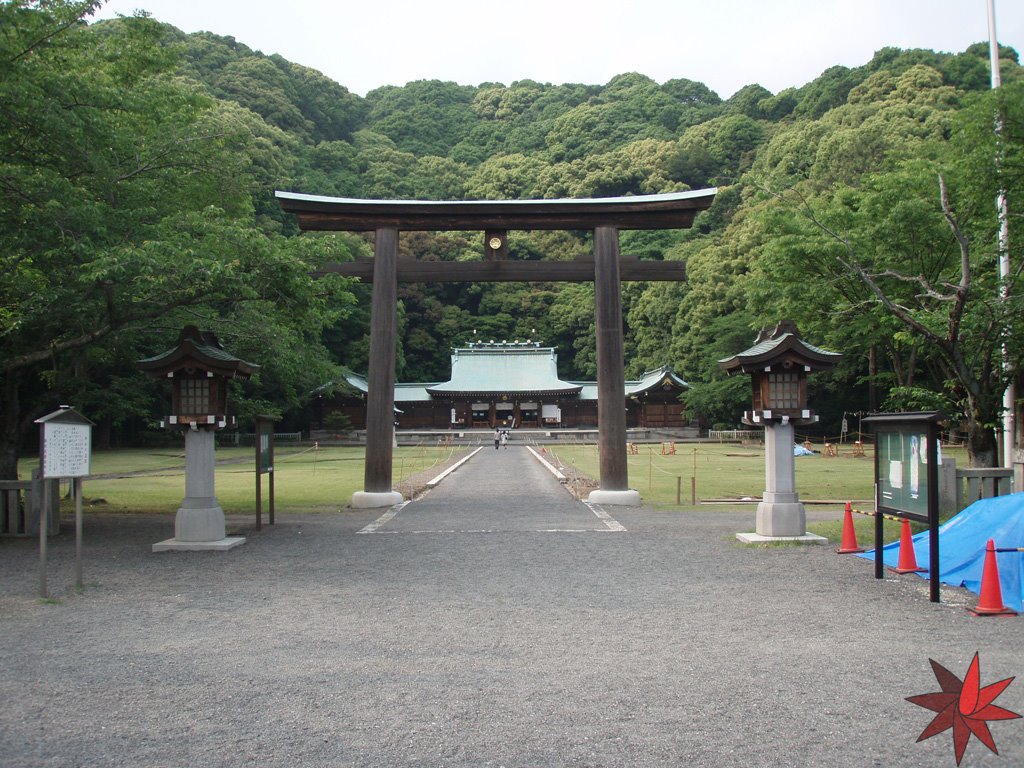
199, 522
780, 515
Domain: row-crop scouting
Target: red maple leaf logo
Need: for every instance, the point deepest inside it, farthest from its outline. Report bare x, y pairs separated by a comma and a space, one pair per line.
964, 706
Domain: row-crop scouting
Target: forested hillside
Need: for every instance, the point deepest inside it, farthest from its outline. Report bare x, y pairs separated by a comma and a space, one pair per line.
829, 213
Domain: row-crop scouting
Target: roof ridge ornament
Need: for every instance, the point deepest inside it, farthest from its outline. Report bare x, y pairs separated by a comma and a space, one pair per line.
781, 329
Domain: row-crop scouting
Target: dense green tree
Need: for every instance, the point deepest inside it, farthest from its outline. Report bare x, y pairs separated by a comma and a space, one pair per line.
258, 84
334, 112
914, 264
426, 117
698, 102
630, 107
504, 177
715, 152
288, 95
137, 158
748, 101
571, 320
127, 204
907, 256
828, 91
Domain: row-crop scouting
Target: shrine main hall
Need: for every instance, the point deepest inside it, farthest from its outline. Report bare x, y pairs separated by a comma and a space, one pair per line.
509, 385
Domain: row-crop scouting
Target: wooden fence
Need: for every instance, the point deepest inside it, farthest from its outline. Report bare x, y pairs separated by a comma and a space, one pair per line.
20, 501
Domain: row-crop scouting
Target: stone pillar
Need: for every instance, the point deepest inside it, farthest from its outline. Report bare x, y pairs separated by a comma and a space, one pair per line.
199, 523
780, 513
611, 386
380, 396
200, 517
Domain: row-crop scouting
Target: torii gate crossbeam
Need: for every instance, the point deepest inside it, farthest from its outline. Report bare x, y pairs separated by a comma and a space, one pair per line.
605, 216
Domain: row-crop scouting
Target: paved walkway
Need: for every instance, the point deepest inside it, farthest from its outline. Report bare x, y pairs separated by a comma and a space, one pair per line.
506, 489
494, 622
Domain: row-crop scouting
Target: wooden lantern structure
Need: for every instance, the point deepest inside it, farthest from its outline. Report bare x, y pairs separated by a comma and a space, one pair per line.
199, 369
778, 365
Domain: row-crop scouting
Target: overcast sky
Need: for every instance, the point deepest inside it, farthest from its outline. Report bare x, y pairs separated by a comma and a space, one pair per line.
725, 44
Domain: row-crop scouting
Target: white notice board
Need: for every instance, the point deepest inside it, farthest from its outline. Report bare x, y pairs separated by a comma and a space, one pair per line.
66, 449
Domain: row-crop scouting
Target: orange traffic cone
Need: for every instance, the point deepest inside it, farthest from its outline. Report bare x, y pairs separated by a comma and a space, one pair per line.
908, 560
849, 544
991, 602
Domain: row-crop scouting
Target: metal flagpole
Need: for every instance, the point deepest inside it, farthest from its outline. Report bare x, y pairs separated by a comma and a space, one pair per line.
1009, 394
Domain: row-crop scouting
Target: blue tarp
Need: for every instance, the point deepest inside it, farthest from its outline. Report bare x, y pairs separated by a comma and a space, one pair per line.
962, 541
799, 450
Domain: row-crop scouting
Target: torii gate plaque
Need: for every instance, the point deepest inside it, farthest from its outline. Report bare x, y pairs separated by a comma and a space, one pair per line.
605, 216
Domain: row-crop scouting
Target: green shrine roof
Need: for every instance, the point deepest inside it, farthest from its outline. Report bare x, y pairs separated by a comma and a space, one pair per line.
495, 369
517, 368
664, 378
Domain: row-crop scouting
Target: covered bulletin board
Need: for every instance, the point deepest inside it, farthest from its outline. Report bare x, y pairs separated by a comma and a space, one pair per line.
907, 461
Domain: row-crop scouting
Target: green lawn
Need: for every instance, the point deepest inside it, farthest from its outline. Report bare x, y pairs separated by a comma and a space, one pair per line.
716, 472
721, 471
305, 479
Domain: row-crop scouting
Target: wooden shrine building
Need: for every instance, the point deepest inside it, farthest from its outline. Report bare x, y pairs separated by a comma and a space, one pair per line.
512, 385
494, 218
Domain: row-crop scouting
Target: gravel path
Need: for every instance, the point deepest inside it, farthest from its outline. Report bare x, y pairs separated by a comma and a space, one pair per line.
496, 621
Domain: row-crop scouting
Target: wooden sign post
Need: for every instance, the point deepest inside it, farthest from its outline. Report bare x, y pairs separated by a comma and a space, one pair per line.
264, 465
65, 444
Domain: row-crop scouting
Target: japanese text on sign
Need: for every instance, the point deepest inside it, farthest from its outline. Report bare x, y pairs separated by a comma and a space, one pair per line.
66, 450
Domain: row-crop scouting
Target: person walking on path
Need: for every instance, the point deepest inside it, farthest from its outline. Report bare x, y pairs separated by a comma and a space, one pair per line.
497, 438
504, 439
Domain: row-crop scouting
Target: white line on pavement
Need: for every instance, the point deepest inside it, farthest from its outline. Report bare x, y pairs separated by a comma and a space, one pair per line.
612, 523
372, 527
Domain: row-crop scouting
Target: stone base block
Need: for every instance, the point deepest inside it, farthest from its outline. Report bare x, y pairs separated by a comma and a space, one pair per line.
756, 538
370, 500
222, 545
628, 498
200, 525
781, 519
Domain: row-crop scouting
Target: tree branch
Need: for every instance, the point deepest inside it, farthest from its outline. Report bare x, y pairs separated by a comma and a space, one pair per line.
852, 264
84, 339
963, 288
83, 10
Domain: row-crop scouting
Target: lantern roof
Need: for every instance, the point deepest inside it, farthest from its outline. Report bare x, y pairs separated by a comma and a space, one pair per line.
198, 349
779, 345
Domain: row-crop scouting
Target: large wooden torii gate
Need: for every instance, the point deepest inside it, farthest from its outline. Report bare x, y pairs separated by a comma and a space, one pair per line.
607, 269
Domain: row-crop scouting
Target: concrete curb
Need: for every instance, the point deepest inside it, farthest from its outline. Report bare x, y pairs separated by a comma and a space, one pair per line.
452, 468
547, 465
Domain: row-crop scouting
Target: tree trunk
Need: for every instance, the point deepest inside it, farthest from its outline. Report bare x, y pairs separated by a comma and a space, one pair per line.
8, 458
981, 444
10, 415
873, 379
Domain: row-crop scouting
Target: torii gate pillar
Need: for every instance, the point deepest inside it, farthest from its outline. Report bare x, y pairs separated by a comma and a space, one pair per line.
611, 388
380, 377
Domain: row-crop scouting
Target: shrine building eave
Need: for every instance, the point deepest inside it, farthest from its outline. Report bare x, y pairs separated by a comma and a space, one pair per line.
517, 394
674, 210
